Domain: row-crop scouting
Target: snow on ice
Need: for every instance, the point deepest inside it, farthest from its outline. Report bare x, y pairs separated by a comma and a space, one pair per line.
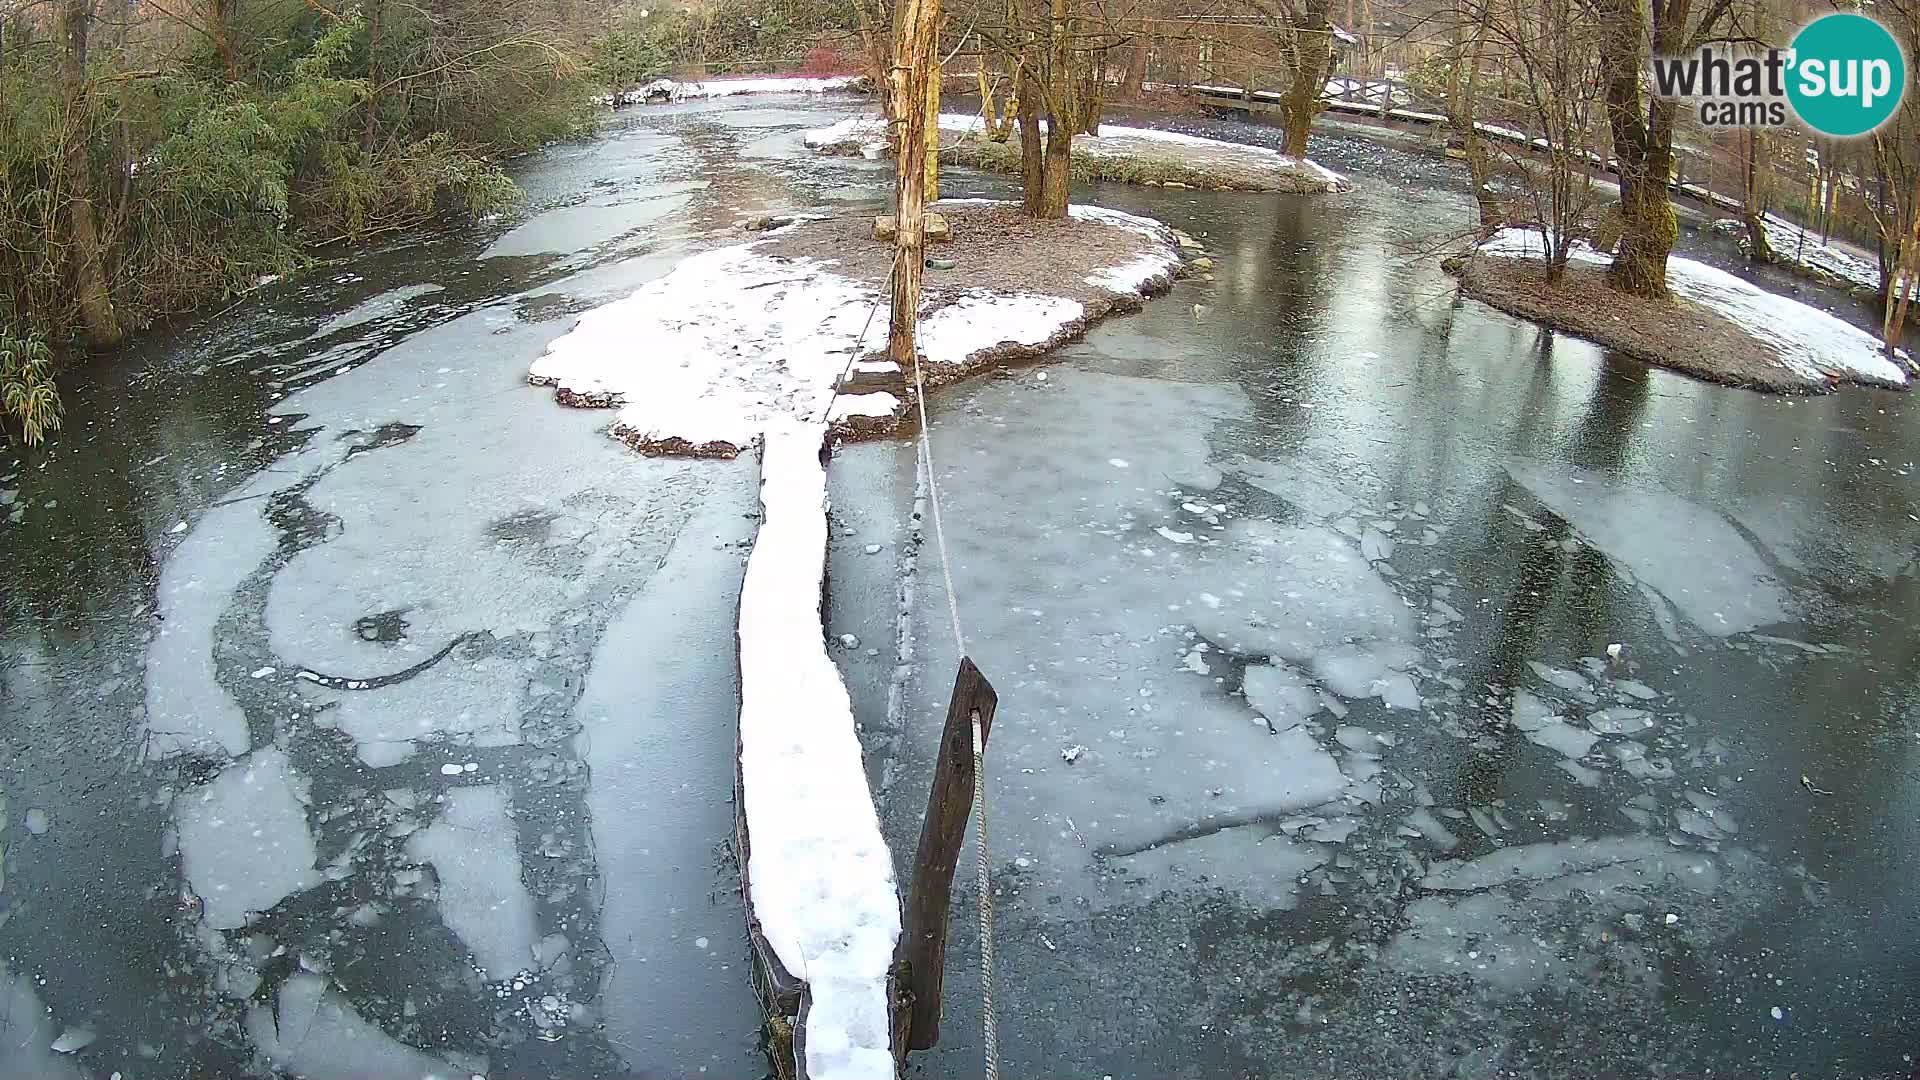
1809, 342
820, 876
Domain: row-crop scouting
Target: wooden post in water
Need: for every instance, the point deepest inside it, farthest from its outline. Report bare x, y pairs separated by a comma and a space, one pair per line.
923, 927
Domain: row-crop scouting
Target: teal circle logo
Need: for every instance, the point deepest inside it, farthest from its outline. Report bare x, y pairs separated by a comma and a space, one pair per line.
1848, 74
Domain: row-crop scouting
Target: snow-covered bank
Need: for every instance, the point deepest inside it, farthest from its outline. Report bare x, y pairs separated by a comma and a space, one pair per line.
1791, 346
1133, 154
669, 90
742, 336
819, 876
1836, 263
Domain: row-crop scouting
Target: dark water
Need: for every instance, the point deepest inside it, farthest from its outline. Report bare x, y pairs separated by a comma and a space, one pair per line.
232, 866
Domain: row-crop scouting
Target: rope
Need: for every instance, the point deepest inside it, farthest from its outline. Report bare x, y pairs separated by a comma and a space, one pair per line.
990, 1028
854, 353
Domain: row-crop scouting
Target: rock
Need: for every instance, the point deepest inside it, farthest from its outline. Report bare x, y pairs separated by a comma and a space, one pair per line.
1206, 277
941, 264
1174, 184
1202, 263
763, 222
1188, 243
883, 227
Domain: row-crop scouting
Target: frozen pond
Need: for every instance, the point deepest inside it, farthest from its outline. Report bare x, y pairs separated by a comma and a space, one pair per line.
368, 715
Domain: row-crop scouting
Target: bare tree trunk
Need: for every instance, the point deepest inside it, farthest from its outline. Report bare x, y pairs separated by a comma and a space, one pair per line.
376, 74
1057, 181
1033, 166
220, 28
879, 54
1759, 248
916, 30
88, 255
1643, 140
1464, 95
1135, 78
1313, 53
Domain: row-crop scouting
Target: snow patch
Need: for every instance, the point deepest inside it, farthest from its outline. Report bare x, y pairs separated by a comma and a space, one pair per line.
819, 874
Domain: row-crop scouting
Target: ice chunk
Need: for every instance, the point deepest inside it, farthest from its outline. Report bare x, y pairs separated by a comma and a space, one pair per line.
244, 843
27, 1034
1563, 739
1530, 713
186, 707
1560, 677
1702, 565
482, 899
1620, 721
1278, 693
1359, 672
1422, 820
318, 1036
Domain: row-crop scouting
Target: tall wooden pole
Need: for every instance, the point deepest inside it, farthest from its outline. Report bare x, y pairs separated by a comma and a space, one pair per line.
914, 55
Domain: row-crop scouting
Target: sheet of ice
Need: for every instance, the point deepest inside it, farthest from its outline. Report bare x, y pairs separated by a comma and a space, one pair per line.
482, 897
1808, 341
1702, 566
187, 710
1312, 592
27, 1033
1538, 865
1263, 874
244, 843
318, 1036
820, 876
670, 654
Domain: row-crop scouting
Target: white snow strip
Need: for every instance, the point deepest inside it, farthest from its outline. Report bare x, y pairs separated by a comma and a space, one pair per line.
1807, 341
819, 875
733, 339
673, 90
870, 133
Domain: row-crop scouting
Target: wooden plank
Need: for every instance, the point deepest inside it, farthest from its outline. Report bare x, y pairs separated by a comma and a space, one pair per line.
923, 928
